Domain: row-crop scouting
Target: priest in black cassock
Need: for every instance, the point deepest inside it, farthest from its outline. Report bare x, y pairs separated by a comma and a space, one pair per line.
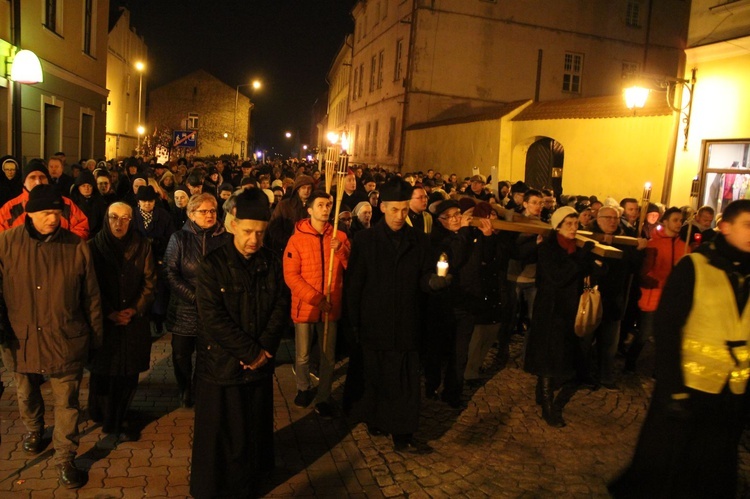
389, 268
243, 304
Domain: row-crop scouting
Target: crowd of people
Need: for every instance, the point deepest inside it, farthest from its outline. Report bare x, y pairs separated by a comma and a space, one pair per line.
403, 273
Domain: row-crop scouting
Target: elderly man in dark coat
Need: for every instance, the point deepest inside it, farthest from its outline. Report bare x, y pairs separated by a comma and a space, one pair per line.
126, 273
389, 267
50, 316
244, 307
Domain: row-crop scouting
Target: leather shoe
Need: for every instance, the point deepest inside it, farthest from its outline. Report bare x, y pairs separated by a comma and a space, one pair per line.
33, 442
374, 431
413, 447
70, 476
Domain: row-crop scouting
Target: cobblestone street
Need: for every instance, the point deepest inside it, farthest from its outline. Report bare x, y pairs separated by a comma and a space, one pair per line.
497, 447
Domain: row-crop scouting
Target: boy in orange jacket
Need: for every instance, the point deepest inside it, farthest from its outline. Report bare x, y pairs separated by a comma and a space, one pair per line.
306, 268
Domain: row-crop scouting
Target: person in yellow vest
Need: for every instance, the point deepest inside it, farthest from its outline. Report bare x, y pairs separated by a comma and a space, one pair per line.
688, 443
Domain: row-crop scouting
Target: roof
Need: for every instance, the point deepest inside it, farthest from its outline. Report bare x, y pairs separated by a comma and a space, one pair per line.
461, 114
610, 106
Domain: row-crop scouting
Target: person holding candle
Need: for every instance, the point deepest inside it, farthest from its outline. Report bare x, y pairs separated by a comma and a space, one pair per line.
390, 267
468, 250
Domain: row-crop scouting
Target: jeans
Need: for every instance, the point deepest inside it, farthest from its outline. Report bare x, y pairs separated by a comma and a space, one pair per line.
303, 333
481, 340
31, 406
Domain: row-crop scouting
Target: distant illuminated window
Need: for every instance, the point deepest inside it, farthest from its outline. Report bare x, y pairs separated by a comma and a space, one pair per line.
572, 73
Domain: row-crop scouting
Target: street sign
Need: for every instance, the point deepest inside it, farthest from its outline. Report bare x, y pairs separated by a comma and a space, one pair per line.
184, 138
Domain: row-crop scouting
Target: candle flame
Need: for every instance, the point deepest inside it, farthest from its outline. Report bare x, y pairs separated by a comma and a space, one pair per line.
648, 185
344, 142
333, 137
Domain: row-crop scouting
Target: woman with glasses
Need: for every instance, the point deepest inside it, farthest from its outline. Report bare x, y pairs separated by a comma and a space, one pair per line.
127, 279
201, 234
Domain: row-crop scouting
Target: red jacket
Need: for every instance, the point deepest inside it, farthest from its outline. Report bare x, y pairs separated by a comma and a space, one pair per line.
662, 254
306, 261
13, 214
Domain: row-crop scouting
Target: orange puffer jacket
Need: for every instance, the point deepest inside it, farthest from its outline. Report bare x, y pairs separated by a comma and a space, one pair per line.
306, 260
662, 254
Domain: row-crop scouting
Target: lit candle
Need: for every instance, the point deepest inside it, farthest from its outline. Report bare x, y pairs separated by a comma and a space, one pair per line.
647, 191
442, 265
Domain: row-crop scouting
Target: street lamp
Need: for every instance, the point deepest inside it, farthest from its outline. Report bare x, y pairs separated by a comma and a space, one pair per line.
140, 67
256, 84
288, 135
639, 86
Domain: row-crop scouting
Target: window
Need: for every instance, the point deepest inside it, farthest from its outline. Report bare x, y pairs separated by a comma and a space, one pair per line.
381, 58
384, 10
86, 144
572, 73
374, 150
367, 139
51, 126
633, 14
629, 68
373, 74
355, 87
361, 79
53, 15
392, 136
88, 15
377, 12
192, 121
399, 52
725, 173
357, 139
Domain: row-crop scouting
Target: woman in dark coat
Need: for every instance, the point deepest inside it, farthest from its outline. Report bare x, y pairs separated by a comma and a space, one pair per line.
11, 181
127, 280
155, 223
85, 194
200, 235
553, 350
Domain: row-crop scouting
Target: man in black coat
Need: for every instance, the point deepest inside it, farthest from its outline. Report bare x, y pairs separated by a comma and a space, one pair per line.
244, 307
389, 268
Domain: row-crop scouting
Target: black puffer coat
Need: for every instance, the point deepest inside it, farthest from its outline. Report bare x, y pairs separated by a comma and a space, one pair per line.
244, 307
184, 252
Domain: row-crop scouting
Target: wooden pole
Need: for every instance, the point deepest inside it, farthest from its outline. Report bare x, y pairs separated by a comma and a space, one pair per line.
343, 166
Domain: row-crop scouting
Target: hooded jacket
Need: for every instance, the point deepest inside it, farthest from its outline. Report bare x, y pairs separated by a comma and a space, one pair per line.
13, 214
661, 255
306, 263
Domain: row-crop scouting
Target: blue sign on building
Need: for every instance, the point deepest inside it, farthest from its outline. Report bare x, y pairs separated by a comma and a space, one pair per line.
184, 138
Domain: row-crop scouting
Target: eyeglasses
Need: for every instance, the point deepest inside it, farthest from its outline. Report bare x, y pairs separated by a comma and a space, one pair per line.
206, 212
455, 216
115, 219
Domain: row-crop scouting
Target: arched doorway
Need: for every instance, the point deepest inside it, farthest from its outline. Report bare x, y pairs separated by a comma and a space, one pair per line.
544, 164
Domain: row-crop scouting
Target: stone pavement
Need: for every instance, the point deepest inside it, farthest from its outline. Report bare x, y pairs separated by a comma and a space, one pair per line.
497, 447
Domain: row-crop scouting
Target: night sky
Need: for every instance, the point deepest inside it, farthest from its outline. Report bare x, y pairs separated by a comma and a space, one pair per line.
288, 44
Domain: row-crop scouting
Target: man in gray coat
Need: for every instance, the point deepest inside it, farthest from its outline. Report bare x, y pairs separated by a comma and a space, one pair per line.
50, 318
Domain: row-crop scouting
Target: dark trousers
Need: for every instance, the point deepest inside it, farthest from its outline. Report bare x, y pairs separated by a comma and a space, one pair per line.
110, 398
233, 439
182, 360
454, 376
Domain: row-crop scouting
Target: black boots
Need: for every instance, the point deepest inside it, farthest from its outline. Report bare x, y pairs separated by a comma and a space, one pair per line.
551, 412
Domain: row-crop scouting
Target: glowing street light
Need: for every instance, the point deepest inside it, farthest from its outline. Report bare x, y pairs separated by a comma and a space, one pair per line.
288, 135
256, 84
140, 67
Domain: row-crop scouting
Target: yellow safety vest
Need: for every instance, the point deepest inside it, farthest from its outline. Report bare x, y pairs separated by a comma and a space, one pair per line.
707, 361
